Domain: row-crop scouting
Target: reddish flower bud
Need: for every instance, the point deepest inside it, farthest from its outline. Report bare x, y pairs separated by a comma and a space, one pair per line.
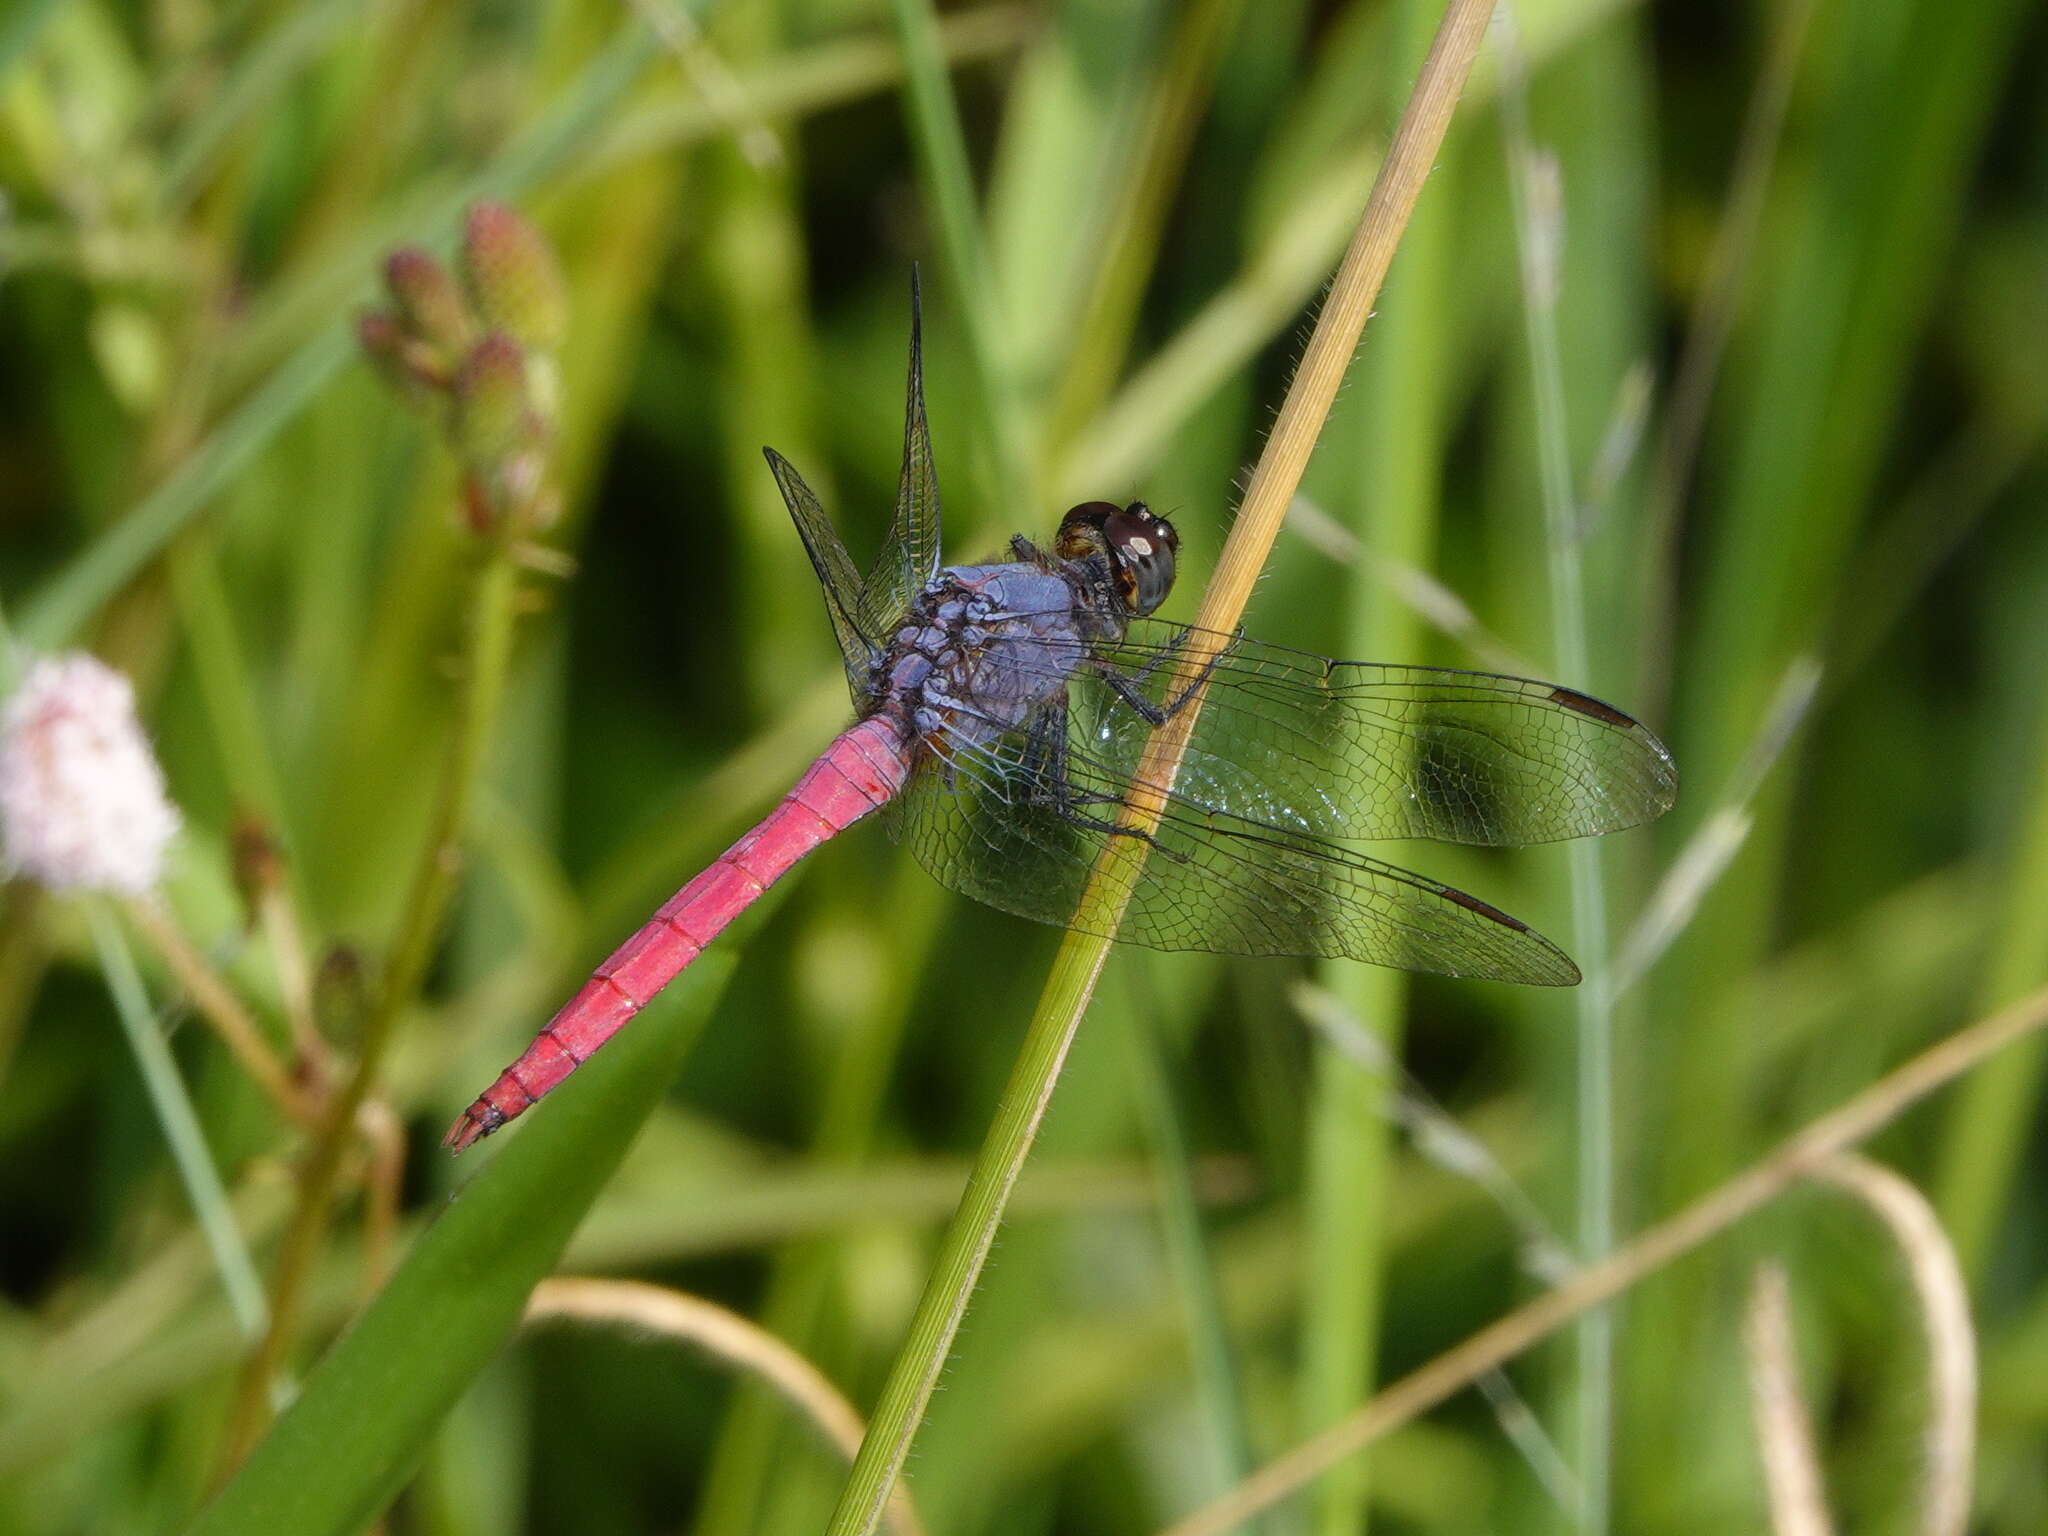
380, 337
494, 416
512, 277
410, 366
429, 303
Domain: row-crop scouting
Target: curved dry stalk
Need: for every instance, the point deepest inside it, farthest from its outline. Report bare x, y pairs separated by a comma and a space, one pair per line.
383, 1180
221, 1008
1078, 966
1937, 1278
1784, 1429
1797, 1157
728, 1338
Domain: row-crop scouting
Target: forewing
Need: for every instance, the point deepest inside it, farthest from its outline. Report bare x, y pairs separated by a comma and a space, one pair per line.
1363, 750
835, 570
982, 824
909, 556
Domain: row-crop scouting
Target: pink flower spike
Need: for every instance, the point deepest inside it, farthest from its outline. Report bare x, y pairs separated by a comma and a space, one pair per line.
82, 802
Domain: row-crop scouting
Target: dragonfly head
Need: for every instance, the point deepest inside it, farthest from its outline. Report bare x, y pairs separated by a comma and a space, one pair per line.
1138, 544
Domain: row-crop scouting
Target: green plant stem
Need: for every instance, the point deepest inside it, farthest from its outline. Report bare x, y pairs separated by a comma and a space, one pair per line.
942, 148
1594, 999
1397, 417
487, 652
1081, 956
60, 607
173, 1108
236, 1028
1183, 84
1155, 1064
972, 1230
1987, 1134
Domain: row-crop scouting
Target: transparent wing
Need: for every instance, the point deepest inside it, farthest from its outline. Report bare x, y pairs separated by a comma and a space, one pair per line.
909, 556
1363, 750
993, 823
836, 575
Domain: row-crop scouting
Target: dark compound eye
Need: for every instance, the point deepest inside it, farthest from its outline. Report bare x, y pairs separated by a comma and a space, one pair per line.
1143, 546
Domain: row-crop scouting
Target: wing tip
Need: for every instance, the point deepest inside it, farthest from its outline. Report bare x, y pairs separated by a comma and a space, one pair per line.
1549, 966
1662, 779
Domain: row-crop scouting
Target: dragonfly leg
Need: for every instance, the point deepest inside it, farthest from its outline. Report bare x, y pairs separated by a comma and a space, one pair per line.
1129, 686
1044, 764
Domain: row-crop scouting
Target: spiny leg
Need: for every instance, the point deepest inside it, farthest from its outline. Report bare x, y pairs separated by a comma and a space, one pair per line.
1129, 686
1046, 779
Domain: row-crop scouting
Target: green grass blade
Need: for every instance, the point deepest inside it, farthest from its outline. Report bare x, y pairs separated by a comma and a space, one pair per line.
55, 614
1539, 234
22, 30
1988, 1132
345, 1448
1159, 1069
1391, 491
942, 147
180, 1124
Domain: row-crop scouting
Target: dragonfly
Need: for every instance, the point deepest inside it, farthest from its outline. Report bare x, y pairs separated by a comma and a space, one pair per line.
1001, 717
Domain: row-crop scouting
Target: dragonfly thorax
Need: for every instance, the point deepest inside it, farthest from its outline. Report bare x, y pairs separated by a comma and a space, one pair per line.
981, 650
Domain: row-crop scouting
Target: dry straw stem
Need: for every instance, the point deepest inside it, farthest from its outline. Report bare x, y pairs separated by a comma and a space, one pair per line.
1806, 1152
281, 928
728, 1338
1784, 1430
1072, 982
221, 1008
305, 1107
1944, 1297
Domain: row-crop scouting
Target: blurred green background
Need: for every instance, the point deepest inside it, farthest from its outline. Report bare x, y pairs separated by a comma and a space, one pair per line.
1794, 262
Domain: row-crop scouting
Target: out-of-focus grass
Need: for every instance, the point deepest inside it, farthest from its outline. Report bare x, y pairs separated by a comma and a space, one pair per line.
197, 480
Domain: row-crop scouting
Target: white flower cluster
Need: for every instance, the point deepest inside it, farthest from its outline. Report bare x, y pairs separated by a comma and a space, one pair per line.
82, 803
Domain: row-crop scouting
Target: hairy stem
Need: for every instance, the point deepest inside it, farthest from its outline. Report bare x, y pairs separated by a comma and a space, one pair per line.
1079, 963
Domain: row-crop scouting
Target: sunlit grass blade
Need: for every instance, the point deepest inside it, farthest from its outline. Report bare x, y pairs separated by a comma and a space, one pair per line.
173, 1107
342, 1451
942, 150
1663, 915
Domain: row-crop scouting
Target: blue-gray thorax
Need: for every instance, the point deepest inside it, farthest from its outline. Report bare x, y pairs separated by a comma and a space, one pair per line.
983, 648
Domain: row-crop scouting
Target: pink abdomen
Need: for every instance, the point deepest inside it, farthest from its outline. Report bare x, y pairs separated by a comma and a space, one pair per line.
860, 772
